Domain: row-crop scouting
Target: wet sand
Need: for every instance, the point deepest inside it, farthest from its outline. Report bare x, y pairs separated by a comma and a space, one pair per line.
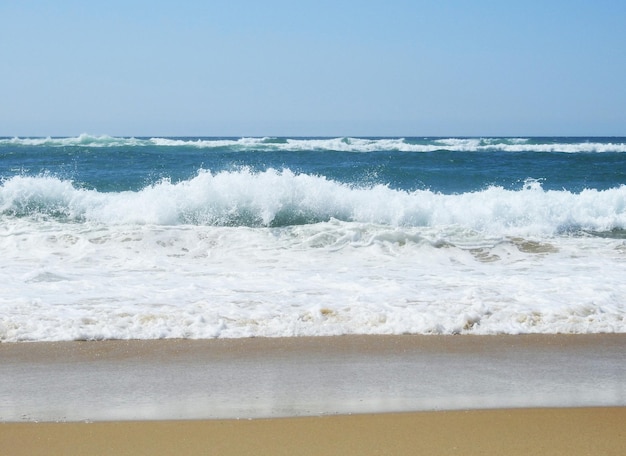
569, 431
339, 395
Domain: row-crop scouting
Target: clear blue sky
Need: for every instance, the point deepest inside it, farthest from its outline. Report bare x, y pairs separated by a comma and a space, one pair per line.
344, 68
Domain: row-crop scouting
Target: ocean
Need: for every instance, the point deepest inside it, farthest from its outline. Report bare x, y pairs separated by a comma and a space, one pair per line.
146, 238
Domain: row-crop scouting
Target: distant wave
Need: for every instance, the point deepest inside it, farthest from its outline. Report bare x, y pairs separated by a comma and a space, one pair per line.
83, 140
345, 144
280, 198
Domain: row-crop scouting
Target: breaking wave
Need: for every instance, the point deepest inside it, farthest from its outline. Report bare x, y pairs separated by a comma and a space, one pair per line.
344, 144
281, 197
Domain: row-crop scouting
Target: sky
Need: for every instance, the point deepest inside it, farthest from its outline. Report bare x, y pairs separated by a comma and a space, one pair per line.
313, 68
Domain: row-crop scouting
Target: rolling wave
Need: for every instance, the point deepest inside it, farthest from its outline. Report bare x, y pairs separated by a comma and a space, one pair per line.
345, 144
275, 198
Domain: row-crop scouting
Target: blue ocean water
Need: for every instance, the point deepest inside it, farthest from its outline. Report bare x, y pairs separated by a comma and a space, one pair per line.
454, 165
437, 165
291, 236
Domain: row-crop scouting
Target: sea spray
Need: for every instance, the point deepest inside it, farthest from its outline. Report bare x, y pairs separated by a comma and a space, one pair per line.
281, 198
122, 238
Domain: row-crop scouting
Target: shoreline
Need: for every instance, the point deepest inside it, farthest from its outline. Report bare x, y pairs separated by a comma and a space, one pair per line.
310, 376
349, 395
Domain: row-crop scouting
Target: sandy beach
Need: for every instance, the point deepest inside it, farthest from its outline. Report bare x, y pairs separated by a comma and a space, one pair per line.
569, 431
338, 395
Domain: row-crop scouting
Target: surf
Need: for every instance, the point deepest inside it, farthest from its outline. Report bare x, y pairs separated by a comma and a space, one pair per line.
338, 144
275, 198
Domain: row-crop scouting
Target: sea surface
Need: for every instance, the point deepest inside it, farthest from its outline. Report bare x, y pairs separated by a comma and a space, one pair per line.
144, 238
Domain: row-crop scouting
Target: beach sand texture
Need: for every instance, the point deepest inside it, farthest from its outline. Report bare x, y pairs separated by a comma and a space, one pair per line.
569, 431
337, 395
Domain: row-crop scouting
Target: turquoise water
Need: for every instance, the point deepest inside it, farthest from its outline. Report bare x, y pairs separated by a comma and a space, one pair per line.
437, 165
441, 165
106, 237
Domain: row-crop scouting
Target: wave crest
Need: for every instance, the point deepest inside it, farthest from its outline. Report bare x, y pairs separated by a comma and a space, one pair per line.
341, 144
280, 198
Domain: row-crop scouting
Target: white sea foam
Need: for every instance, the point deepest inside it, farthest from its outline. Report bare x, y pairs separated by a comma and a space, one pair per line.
332, 144
83, 140
241, 253
275, 253
278, 198
84, 281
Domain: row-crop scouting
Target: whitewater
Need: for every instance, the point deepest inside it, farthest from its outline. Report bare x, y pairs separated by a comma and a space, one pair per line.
144, 238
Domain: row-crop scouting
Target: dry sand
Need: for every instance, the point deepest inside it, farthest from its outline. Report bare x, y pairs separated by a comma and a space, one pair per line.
374, 392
